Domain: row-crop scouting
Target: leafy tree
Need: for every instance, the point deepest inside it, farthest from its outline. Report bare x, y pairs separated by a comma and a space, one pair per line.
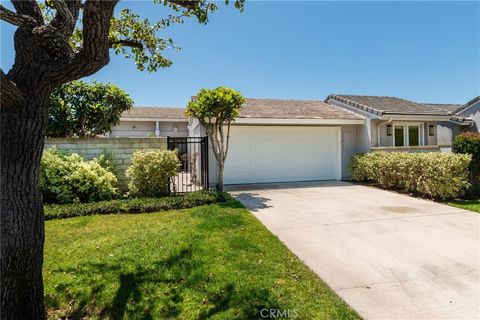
56, 42
81, 109
215, 109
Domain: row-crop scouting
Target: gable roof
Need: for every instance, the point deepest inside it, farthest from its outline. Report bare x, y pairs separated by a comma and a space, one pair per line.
155, 112
468, 104
388, 105
294, 109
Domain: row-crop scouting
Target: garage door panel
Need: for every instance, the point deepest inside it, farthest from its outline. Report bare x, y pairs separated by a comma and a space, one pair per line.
275, 154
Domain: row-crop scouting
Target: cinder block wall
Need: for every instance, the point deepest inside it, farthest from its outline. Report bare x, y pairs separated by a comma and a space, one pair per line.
121, 148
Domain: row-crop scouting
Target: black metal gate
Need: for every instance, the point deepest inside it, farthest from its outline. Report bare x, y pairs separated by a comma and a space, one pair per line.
193, 156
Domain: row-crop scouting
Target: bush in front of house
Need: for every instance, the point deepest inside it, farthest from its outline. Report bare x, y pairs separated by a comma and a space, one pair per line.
151, 172
469, 143
435, 175
69, 178
135, 205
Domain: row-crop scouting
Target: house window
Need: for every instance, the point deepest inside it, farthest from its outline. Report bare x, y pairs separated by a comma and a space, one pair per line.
389, 129
413, 135
399, 136
431, 130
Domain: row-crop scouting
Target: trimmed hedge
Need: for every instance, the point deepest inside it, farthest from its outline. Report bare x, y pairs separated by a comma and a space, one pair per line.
135, 205
469, 143
435, 175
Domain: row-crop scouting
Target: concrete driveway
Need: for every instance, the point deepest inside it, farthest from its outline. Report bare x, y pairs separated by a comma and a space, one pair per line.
388, 255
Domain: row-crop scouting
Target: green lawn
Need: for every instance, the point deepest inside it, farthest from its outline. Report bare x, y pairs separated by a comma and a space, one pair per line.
472, 205
209, 262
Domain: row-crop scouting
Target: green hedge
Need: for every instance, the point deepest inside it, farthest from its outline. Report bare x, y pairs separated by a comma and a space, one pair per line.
70, 178
435, 175
134, 205
469, 143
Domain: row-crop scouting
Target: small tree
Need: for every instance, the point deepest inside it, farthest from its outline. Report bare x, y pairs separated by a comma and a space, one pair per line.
216, 109
82, 109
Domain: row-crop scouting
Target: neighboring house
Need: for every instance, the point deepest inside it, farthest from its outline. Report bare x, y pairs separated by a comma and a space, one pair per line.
448, 130
152, 122
299, 140
393, 123
471, 110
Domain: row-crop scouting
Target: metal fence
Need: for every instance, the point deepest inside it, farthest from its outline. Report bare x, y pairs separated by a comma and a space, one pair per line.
193, 156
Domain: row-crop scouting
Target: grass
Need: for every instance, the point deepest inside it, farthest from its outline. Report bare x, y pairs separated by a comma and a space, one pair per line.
211, 262
472, 205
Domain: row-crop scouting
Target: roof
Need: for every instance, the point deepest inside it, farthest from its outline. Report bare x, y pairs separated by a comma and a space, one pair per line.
468, 104
388, 105
451, 107
155, 112
293, 109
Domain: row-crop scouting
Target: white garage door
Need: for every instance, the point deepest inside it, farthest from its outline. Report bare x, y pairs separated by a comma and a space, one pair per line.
279, 154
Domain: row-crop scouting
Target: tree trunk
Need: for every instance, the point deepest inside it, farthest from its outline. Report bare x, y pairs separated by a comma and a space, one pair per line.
220, 176
22, 133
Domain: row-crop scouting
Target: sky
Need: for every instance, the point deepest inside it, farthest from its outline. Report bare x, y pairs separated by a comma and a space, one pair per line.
421, 51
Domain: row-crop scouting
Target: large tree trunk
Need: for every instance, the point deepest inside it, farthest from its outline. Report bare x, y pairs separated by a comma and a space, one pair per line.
43, 60
22, 133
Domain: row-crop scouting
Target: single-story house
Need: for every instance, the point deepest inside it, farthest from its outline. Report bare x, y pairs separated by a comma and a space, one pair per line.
303, 140
151, 122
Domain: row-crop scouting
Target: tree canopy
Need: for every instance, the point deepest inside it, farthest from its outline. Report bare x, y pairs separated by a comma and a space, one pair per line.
82, 109
215, 109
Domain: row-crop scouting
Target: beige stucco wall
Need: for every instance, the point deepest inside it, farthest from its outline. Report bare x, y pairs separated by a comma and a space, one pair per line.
121, 148
148, 129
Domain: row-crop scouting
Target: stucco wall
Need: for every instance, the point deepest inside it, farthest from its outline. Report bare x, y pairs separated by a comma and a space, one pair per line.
148, 128
121, 148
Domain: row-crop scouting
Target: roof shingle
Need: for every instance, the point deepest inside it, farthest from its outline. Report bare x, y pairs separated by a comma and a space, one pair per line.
389, 105
293, 109
155, 112
445, 106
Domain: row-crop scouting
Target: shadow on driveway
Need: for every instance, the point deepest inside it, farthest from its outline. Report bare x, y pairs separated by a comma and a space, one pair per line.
253, 201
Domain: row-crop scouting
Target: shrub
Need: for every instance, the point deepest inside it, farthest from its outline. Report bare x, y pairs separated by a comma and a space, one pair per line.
151, 171
469, 143
135, 205
69, 178
435, 175
107, 160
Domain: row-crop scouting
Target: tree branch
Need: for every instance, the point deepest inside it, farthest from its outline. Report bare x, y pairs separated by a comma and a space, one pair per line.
64, 19
94, 54
29, 8
188, 4
10, 94
126, 43
21, 20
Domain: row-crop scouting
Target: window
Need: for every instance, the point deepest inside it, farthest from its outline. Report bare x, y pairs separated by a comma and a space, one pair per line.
431, 130
413, 135
407, 134
399, 133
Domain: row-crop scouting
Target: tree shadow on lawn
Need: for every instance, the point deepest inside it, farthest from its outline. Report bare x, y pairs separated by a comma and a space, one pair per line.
179, 274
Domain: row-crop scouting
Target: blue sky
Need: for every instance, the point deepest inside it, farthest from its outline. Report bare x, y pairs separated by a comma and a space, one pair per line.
423, 51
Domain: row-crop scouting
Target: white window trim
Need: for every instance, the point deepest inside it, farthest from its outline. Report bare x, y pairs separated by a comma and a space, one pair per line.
405, 125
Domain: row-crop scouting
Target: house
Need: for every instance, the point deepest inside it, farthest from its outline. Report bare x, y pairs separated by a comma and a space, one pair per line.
303, 140
151, 122
392, 123
448, 130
